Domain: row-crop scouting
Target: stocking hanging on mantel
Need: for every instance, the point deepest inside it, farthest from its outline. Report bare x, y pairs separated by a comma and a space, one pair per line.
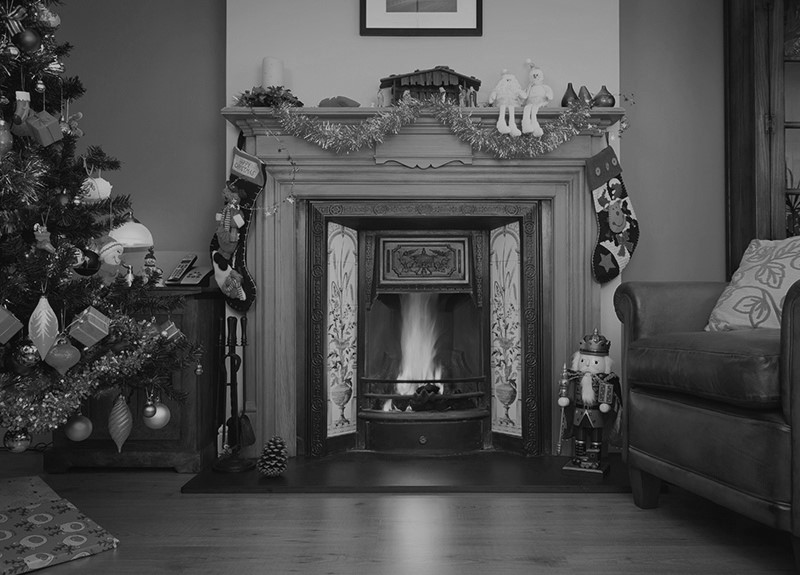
617, 226
229, 244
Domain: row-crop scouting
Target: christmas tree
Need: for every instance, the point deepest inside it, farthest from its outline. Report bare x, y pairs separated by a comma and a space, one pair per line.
73, 317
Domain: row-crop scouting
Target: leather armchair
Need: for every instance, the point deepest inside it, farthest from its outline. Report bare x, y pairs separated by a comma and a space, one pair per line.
711, 412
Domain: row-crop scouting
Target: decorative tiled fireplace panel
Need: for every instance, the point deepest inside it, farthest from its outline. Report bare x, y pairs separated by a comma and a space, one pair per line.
506, 336
342, 328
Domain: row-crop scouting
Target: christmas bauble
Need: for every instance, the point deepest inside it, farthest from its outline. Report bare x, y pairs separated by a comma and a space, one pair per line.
26, 355
149, 409
78, 427
160, 417
27, 40
62, 199
95, 189
17, 440
120, 422
62, 356
88, 264
10, 50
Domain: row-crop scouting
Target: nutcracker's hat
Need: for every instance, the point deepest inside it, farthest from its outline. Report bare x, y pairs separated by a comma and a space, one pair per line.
595, 344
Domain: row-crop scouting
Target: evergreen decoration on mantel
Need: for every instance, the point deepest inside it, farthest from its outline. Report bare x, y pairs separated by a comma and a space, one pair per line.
346, 138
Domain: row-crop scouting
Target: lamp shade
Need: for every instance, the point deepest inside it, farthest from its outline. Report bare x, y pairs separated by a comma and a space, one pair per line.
132, 234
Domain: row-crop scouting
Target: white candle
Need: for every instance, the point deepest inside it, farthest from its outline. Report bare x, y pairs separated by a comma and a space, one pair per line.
272, 72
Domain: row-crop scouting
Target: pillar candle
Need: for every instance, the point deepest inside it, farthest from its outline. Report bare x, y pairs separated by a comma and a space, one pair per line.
272, 72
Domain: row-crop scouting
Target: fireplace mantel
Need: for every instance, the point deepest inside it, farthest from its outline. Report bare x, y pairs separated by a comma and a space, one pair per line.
424, 143
421, 165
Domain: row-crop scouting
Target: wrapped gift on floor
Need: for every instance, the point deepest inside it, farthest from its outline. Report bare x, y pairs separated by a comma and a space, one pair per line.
89, 327
44, 128
9, 325
48, 532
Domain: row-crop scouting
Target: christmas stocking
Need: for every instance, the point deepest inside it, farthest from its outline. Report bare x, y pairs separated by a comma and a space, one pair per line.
618, 228
19, 124
229, 244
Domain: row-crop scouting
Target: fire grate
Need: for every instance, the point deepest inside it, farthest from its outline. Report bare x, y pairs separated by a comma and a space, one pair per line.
441, 395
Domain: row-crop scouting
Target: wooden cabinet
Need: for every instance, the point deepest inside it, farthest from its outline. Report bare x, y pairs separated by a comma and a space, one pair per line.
188, 442
762, 117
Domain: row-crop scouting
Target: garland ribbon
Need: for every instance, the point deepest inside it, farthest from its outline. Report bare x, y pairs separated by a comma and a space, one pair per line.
347, 138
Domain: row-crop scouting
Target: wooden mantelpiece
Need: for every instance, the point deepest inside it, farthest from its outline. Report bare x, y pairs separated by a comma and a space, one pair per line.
421, 166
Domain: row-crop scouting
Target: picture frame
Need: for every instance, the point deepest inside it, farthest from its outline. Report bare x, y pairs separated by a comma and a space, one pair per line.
421, 17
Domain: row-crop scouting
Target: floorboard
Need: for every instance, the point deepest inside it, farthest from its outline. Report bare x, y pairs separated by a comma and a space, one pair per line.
162, 530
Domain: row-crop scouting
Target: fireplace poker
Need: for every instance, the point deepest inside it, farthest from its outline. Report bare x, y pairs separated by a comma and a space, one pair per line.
247, 435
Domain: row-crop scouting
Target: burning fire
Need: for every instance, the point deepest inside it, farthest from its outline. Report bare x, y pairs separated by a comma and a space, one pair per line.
418, 341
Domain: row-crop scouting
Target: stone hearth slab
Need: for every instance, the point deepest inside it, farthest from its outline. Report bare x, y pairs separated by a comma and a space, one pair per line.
368, 472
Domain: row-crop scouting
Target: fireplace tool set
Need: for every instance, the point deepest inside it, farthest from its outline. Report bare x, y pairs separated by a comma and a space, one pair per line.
237, 431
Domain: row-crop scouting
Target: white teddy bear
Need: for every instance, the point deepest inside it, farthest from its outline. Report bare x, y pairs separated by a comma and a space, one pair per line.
507, 94
537, 96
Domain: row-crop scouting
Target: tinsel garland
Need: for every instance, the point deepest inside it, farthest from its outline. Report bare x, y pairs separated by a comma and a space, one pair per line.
347, 138
39, 402
564, 128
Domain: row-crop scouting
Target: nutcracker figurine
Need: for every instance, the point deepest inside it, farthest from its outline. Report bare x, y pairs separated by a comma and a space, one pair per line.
589, 395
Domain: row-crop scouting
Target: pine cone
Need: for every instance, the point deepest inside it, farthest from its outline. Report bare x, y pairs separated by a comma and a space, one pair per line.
273, 458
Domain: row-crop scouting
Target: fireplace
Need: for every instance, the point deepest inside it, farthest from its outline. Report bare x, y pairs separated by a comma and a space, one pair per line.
419, 296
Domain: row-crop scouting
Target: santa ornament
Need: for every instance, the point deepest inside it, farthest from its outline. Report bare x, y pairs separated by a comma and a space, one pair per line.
617, 226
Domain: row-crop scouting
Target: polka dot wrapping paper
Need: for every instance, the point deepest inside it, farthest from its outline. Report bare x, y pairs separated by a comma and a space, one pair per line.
45, 533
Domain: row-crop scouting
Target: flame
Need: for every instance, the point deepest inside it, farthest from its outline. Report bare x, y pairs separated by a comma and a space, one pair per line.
418, 340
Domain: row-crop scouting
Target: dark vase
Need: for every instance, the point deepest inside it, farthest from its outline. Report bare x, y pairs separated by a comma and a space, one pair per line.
585, 96
604, 99
569, 96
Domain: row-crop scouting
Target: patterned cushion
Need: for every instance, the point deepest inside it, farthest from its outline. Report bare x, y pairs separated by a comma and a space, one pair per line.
754, 298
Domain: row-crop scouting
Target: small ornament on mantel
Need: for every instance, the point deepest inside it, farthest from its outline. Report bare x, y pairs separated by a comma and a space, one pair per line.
538, 95
507, 95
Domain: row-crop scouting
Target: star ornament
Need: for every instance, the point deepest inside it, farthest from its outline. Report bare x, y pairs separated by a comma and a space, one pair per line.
607, 262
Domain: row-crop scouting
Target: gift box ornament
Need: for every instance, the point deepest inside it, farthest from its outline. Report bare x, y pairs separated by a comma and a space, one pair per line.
89, 327
44, 128
169, 330
9, 325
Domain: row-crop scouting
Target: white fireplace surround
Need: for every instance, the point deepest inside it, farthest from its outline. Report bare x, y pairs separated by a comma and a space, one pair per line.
425, 161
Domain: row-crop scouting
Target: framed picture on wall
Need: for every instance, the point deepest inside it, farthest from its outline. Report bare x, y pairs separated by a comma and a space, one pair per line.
421, 17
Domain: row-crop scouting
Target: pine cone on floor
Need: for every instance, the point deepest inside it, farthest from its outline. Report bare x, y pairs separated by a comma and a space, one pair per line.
273, 458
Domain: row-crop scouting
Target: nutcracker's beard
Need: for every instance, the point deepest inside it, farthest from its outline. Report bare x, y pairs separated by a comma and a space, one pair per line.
587, 390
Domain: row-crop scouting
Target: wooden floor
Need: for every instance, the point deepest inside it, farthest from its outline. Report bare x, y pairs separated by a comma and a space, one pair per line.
164, 531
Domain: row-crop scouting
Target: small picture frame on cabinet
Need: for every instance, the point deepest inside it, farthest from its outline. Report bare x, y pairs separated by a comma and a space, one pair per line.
421, 17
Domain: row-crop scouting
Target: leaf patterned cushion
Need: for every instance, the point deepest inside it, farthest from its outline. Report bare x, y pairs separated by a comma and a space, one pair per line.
754, 297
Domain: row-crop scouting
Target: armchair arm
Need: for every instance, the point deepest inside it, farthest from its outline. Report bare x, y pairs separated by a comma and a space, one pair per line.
650, 308
790, 379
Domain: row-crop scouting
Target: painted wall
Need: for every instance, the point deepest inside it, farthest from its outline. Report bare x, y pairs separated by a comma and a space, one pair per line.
671, 60
155, 88
571, 40
154, 77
